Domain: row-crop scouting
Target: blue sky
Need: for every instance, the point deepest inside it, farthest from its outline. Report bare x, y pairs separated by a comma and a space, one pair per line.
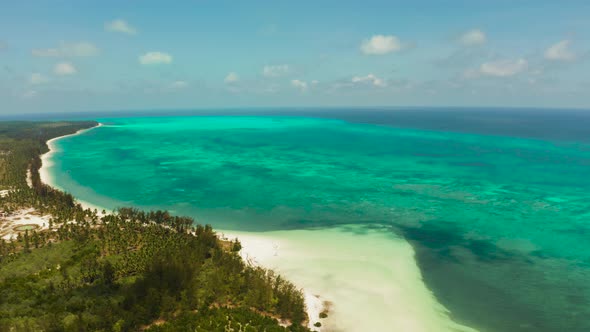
119, 55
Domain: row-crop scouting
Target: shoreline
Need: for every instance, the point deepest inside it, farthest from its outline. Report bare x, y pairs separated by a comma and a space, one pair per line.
371, 283
377, 275
46, 163
314, 305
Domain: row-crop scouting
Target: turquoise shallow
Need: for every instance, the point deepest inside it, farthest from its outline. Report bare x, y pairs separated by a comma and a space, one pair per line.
499, 219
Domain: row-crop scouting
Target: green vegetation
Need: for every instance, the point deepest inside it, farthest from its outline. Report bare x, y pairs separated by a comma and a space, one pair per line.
127, 271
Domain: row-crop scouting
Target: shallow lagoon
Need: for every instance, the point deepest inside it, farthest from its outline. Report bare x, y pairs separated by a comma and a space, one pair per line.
499, 225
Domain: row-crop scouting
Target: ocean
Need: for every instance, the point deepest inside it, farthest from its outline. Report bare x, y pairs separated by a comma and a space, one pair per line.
492, 206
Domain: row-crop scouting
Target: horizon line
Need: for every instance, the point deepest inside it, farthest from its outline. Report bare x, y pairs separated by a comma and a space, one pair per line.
283, 108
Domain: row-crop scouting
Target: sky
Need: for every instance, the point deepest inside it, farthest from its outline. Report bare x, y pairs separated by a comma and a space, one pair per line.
76, 56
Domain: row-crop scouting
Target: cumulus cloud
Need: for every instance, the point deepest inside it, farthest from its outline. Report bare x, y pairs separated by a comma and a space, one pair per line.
79, 49
37, 78
231, 78
560, 52
275, 70
298, 84
380, 45
64, 68
473, 37
503, 68
369, 79
119, 25
155, 58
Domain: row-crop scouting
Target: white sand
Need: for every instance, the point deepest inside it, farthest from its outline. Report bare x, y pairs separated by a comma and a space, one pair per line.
29, 179
314, 306
22, 217
370, 278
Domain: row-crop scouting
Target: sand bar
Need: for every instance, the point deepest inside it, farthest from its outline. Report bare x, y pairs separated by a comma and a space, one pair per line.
370, 278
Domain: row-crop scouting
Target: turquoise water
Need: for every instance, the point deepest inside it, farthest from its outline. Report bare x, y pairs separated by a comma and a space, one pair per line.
500, 224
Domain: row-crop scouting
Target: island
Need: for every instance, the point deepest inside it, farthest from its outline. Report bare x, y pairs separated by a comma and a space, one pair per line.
67, 267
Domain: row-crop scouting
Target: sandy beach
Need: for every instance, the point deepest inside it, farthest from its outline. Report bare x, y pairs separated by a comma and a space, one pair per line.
369, 280
47, 163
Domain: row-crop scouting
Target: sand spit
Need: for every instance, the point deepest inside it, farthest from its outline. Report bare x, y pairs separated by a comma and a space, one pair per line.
369, 278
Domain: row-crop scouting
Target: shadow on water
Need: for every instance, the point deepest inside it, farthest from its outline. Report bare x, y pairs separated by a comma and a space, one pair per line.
466, 275
486, 286
315, 174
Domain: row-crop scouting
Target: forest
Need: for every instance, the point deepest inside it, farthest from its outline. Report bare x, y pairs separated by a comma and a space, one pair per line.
130, 270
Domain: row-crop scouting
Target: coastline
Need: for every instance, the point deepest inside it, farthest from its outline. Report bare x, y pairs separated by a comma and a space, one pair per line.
381, 278
257, 249
314, 305
46, 163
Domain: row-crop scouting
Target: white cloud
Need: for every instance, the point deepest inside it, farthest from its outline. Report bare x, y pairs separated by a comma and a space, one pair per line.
275, 70
79, 49
315, 82
301, 85
380, 44
560, 52
231, 78
37, 78
179, 85
503, 68
155, 58
473, 38
369, 79
64, 68
120, 26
